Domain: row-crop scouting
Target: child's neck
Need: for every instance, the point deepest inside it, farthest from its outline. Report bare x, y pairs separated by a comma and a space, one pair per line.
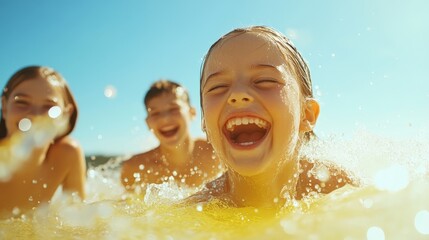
180, 155
264, 190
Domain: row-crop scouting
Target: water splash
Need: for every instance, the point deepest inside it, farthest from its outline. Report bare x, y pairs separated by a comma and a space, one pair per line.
36, 132
370, 211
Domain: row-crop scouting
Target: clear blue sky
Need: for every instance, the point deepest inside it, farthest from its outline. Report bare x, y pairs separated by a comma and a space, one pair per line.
368, 58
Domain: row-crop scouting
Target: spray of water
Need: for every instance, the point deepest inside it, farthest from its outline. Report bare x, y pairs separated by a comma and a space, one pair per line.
33, 133
391, 203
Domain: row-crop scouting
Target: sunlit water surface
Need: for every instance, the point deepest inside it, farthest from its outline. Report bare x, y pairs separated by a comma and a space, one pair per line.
392, 204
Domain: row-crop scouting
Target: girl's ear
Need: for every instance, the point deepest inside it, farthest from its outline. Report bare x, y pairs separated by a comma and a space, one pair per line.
309, 118
69, 109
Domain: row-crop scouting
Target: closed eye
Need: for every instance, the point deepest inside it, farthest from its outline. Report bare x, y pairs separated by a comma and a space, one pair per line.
174, 110
154, 114
21, 103
217, 88
267, 83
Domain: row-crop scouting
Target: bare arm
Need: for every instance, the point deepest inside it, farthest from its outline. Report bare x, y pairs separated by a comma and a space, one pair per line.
75, 178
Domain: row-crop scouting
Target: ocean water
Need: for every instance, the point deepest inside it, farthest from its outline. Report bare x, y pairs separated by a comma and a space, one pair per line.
392, 203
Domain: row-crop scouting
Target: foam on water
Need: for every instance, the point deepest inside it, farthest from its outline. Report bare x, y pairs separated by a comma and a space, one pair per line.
393, 203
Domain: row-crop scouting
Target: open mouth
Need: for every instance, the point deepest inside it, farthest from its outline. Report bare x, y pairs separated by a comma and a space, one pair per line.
169, 131
246, 131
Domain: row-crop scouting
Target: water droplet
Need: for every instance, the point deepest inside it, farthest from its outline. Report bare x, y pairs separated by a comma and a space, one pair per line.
24, 125
16, 211
30, 198
110, 91
322, 173
34, 181
375, 233
199, 207
54, 112
421, 222
141, 166
45, 185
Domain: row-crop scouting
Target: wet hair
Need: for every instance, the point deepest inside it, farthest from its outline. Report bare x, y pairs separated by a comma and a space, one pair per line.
46, 73
293, 59
166, 86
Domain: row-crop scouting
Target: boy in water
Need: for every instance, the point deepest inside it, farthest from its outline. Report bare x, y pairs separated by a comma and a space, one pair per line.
189, 161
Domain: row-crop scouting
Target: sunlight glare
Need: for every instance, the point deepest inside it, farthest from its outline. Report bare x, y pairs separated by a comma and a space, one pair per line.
421, 222
375, 233
24, 125
393, 178
54, 112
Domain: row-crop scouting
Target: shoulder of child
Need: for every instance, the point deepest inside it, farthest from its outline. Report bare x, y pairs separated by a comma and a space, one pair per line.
204, 152
67, 157
201, 145
145, 158
67, 148
322, 177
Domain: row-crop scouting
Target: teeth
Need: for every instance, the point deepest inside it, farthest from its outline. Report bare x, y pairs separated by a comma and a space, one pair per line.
168, 128
230, 125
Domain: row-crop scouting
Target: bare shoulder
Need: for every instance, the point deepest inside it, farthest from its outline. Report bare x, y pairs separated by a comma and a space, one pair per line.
215, 189
205, 156
322, 177
203, 145
144, 158
203, 151
67, 148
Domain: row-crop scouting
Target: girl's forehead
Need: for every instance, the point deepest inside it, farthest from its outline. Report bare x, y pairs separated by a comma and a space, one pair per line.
248, 41
248, 49
38, 87
166, 99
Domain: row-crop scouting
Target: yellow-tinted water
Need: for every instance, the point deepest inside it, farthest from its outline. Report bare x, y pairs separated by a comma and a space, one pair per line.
393, 204
349, 213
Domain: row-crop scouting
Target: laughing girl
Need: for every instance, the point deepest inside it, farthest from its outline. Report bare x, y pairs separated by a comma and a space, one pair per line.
259, 109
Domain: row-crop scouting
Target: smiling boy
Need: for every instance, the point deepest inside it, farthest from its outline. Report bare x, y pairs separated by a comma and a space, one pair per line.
189, 161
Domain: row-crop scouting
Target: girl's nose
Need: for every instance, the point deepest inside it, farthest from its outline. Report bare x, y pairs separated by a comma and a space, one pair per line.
239, 98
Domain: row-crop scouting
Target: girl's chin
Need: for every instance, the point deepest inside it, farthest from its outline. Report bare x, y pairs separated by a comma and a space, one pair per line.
249, 166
